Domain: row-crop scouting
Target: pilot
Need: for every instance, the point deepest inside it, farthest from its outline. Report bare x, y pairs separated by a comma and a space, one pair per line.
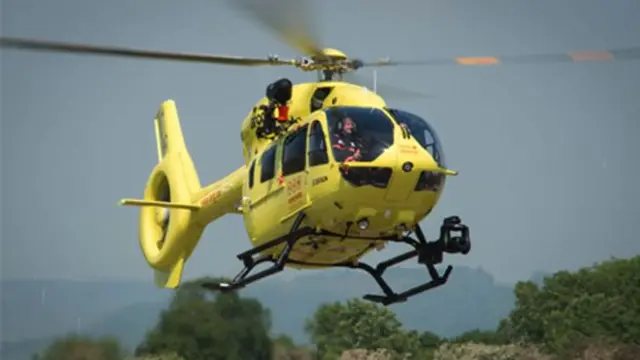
344, 141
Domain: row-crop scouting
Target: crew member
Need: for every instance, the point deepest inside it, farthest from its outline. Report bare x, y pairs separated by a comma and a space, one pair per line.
345, 147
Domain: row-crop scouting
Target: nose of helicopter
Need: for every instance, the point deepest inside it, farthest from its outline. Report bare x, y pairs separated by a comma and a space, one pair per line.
401, 186
411, 167
405, 172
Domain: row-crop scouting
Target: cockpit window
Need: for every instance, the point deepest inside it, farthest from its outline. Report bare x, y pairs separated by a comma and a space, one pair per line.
358, 133
422, 132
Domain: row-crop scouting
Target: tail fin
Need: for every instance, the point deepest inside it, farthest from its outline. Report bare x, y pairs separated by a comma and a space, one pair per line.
175, 208
165, 232
169, 140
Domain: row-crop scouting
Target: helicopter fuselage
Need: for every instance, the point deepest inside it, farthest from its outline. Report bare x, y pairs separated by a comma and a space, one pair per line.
395, 182
344, 169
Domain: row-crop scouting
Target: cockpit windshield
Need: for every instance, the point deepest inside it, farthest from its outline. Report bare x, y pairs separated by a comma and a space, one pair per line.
422, 132
358, 133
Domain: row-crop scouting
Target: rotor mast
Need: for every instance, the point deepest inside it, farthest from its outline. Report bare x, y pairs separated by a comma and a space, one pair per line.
335, 65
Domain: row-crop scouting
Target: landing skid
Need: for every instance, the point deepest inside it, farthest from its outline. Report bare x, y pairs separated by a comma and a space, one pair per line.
428, 254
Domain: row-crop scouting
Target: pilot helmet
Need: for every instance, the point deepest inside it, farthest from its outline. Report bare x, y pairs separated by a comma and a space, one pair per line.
340, 124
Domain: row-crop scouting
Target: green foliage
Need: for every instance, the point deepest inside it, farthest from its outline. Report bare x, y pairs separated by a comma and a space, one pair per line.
429, 340
591, 312
74, 347
359, 324
487, 337
296, 353
198, 325
284, 348
284, 341
167, 356
601, 302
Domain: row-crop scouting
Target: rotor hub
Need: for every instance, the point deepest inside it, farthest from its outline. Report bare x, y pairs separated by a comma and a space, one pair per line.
329, 59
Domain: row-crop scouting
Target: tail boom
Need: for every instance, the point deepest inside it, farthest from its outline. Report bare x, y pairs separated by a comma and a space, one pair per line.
220, 198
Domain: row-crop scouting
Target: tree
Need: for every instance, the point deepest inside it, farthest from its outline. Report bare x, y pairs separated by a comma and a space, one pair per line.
285, 349
74, 347
284, 341
429, 340
487, 337
169, 356
600, 302
358, 324
200, 325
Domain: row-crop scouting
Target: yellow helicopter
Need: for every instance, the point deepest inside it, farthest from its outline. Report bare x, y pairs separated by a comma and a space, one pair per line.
331, 173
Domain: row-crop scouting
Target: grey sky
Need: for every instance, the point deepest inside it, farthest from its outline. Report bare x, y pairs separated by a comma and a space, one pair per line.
547, 154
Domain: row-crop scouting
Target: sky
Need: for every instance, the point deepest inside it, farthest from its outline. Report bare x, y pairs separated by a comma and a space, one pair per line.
547, 153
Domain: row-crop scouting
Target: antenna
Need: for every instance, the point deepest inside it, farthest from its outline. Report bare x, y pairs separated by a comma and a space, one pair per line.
375, 81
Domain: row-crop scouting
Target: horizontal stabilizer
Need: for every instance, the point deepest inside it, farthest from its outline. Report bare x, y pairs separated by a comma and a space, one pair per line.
163, 204
446, 171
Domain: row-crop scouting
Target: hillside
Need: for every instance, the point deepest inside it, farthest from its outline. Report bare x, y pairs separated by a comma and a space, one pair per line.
37, 310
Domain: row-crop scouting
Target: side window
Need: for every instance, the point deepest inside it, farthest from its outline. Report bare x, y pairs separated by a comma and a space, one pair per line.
293, 153
252, 171
268, 164
318, 98
317, 146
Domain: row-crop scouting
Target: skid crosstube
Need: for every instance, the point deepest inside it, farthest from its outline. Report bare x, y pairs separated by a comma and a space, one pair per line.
428, 254
241, 280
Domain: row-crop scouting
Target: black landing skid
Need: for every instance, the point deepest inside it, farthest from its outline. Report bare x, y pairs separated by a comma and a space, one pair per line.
454, 239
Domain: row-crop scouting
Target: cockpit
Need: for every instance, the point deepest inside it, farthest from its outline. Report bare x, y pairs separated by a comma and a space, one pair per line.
358, 134
422, 132
362, 134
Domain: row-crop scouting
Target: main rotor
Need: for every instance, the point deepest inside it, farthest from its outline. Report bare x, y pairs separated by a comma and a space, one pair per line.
293, 22
326, 59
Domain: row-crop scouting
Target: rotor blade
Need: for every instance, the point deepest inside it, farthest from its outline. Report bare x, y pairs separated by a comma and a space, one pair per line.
383, 89
41, 45
629, 53
289, 19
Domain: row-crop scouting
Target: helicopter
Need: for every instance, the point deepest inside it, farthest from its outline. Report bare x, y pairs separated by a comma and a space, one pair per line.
331, 171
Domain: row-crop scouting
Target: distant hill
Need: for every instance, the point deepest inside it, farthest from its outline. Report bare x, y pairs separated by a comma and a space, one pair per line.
39, 308
36, 311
